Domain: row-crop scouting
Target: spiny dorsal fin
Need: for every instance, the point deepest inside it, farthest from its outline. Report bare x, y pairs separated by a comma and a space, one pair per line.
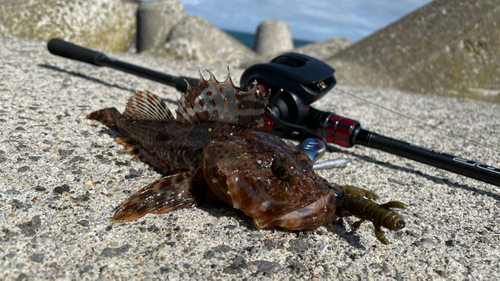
147, 106
214, 101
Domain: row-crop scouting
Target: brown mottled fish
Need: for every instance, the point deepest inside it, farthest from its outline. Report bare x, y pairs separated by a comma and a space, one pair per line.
211, 151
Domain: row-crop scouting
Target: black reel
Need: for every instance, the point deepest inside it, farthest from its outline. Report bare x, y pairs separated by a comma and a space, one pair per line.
297, 79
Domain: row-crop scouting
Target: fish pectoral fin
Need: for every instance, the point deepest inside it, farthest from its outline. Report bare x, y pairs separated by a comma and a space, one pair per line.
161, 196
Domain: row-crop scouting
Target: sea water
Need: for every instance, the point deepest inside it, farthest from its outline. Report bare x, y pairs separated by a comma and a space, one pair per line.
248, 38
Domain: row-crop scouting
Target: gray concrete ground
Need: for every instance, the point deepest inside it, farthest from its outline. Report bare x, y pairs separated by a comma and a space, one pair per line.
61, 176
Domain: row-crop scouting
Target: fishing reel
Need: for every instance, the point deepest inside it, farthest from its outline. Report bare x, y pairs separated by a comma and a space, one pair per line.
294, 81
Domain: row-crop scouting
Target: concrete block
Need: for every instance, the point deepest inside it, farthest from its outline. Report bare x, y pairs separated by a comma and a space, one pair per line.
103, 24
324, 49
448, 47
272, 38
154, 21
194, 38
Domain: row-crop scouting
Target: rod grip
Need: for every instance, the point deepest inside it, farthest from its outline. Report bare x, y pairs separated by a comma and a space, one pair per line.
65, 49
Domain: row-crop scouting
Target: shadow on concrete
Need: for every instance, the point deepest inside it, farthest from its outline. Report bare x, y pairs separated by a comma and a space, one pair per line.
95, 80
435, 179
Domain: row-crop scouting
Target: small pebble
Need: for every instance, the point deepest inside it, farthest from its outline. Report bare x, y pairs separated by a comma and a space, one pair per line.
37, 258
442, 273
23, 169
425, 242
61, 189
84, 222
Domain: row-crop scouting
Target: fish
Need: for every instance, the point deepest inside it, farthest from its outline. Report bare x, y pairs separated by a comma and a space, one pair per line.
211, 152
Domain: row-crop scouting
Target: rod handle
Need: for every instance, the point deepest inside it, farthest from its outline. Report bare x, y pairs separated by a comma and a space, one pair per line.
65, 49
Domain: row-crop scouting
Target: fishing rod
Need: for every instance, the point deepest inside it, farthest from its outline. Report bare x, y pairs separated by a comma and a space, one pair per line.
295, 81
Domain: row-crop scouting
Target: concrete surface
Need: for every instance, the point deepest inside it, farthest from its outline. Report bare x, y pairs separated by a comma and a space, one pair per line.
61, 176
324, 49
215, 45
106, 24
154, 21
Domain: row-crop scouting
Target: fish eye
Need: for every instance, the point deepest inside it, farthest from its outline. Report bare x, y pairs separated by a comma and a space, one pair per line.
283, 168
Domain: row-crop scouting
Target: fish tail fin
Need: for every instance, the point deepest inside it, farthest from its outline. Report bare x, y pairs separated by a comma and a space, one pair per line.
106, 116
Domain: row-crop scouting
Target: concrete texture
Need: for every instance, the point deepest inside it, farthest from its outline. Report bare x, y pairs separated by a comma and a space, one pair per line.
154, 21
61, 175
273, 37
324, 49
106, 24
195, 39
448, 47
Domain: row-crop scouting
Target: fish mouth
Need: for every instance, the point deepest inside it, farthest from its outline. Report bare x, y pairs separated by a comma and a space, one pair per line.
310, 216
255, 201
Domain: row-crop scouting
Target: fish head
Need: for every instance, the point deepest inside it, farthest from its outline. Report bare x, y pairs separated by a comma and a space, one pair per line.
269, 180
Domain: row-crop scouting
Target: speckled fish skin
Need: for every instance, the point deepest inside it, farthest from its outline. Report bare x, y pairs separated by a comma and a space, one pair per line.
173, 147
212, 150
238, 170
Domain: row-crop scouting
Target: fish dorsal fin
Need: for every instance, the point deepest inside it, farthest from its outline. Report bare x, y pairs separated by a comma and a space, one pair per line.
214, 101
147, 106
